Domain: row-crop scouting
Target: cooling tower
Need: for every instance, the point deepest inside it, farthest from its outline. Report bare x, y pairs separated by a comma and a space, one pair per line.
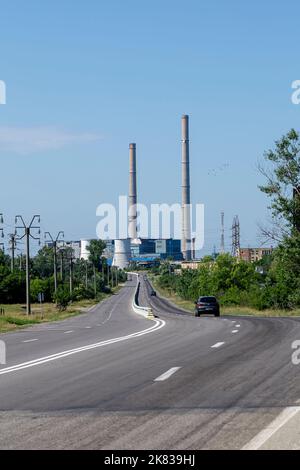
186, 199
84, 252
122, 253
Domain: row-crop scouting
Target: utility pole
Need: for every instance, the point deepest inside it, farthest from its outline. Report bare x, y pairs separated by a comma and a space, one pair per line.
86, 274
61, 265
107, 274
1, 231
13, 244
222, 234
27, 234
95, 284
71, 274
54, 245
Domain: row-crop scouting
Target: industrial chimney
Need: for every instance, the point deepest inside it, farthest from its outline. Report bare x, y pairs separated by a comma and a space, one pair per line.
186, 198
132, 211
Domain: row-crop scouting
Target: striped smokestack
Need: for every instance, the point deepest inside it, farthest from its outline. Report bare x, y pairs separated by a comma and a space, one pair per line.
132, 219
186, 199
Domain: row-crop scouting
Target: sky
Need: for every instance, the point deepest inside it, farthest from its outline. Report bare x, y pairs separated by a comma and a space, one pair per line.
85, 78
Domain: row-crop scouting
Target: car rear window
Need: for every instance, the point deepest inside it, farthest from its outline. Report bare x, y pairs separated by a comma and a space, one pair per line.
208, 300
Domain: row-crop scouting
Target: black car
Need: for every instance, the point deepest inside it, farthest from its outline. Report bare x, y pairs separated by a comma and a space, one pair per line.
153, 292
207, 304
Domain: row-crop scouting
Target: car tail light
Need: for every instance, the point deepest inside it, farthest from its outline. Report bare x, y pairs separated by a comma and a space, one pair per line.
201, 304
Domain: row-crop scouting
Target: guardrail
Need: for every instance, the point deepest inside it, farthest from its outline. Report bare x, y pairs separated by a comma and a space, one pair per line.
144, 311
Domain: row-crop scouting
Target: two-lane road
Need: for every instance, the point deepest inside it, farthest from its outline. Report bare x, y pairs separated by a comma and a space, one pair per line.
177, 383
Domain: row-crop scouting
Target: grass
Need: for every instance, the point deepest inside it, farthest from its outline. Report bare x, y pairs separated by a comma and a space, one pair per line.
15, 314
228, 310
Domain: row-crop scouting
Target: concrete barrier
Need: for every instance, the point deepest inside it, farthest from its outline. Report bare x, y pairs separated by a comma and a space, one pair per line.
144, 311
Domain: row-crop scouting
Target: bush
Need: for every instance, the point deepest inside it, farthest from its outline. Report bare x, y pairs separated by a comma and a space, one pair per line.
62, 298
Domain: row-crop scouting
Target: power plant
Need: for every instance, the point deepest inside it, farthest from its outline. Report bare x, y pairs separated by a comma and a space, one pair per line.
124, 249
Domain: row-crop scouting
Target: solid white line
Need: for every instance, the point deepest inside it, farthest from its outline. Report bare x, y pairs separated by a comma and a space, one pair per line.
234, 331
53, 357
167, 374
217, 345
30, 340
66, 332
276, 424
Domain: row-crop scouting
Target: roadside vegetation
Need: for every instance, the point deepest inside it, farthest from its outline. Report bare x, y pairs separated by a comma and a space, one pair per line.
92, 281
14, 316
270, 286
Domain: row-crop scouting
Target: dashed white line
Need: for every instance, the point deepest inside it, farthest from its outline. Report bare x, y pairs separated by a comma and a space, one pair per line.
67, 332
217, 345
237, 326
30, 340
234, 331
167, 374
88, 327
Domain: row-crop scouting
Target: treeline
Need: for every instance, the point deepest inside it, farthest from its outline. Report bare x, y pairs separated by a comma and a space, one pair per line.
89, 280
273, 282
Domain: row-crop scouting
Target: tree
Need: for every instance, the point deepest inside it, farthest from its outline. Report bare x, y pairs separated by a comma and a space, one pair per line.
283, 185
42, 263
96, 248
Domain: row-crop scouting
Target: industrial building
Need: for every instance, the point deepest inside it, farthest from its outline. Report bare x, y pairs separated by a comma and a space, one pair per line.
253, 254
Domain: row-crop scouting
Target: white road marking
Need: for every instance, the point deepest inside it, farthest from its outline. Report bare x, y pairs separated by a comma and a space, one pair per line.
67, 332
237, 326
30, 340
167, 374
53, 357
88, 327
234, 331
217, 345
276, 424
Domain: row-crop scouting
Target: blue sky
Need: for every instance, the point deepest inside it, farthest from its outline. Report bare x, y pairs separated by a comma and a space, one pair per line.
85, 78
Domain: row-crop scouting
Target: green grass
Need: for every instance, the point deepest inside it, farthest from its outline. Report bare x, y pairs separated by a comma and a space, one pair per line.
228, 310
15, 314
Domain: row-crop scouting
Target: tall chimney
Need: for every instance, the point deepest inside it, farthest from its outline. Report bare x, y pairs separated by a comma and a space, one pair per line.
132, 212
186, 198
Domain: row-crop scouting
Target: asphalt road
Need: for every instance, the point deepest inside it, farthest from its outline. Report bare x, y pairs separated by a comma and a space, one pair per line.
110, 379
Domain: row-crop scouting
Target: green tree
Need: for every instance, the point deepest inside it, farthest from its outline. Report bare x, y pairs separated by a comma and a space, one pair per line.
283, 184
95, 249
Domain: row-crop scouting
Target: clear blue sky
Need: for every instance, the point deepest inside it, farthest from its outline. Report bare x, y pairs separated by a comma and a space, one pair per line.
85, 78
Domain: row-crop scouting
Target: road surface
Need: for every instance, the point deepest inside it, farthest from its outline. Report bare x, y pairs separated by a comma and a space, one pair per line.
111, 379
